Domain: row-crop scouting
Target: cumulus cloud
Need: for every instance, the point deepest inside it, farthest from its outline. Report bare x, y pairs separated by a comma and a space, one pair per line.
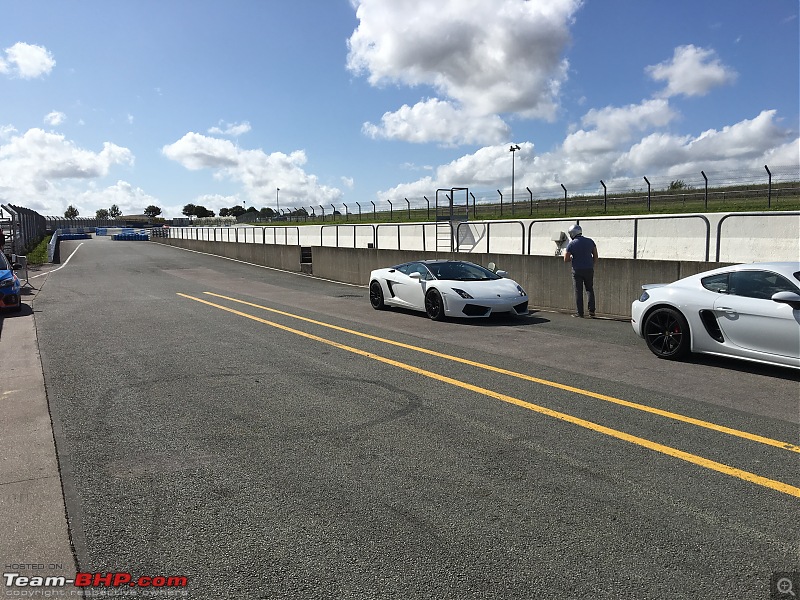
435, 120
37, 157
692, 71
230, 129
27, 61
46, 172
54, 118
259, 173
618, 144
489, 58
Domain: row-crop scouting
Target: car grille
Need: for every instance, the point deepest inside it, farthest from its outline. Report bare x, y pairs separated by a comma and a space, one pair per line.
521, 308
475, 310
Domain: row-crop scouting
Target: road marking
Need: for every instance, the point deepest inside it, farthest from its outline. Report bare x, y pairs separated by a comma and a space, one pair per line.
62, 266
649, 409
674, 452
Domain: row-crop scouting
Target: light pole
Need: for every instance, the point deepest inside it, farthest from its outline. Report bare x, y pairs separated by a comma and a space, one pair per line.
513, 149
277, 201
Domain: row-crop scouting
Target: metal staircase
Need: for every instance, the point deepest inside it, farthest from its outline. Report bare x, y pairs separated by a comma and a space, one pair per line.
448, 215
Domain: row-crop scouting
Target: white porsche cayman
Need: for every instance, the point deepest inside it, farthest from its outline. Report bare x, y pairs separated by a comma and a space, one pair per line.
748, 311
447, 288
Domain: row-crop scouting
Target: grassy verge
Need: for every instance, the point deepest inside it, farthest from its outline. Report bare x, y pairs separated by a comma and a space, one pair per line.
38, 255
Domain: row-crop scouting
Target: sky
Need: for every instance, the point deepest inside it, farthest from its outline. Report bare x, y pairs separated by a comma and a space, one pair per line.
290, 103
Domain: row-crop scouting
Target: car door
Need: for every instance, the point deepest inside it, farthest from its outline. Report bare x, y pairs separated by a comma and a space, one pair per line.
750, 319
410, 291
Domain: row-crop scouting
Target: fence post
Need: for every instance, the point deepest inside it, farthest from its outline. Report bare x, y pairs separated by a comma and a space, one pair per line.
501, 203
605, 196
648, 194
706, 195
769, 189
530, 193
565, 199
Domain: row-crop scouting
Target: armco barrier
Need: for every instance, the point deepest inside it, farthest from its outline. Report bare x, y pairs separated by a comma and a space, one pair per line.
547, 279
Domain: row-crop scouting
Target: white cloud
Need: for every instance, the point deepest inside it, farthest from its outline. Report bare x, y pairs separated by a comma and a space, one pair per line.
489, 58
55, 118
258, 173
625, 144
230, 129
46, 172
348, 182
7, 131
27, 61
434, 120
692, 72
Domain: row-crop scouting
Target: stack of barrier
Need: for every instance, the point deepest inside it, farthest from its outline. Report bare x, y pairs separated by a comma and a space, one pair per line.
74, 233
131, 235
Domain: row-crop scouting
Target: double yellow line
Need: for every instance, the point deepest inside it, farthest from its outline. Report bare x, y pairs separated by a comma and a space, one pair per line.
686, 456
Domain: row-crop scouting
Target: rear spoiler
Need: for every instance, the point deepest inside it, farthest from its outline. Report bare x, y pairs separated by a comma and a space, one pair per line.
650, 286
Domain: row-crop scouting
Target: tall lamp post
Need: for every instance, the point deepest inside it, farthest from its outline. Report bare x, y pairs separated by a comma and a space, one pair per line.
277, 201
513, 149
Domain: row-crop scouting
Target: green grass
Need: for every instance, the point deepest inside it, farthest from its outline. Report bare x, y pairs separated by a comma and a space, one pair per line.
38, 256
731, 199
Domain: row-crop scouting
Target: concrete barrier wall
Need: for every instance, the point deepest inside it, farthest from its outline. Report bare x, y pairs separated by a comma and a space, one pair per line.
268, 255
547, 279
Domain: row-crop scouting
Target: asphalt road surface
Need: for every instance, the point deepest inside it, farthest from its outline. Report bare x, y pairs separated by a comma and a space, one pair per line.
269, 435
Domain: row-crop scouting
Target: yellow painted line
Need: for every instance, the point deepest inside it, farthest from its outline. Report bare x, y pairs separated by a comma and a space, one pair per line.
674, 452
649, 409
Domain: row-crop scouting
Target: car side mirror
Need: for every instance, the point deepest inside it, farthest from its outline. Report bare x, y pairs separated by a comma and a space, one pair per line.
415, 276
16, 267
790, 298
502, 273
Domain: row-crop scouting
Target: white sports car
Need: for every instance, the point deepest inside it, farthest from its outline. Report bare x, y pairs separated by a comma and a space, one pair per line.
447, 288
748, 311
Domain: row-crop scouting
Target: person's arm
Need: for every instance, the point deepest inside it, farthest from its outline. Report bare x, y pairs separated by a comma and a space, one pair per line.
595, 256
567, 256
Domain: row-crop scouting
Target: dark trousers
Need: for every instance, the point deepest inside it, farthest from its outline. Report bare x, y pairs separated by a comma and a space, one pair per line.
583, 278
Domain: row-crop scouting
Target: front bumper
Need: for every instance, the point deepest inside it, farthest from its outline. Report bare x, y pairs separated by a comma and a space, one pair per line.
474, 308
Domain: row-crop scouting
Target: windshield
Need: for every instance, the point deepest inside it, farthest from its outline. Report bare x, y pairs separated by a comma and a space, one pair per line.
461, 271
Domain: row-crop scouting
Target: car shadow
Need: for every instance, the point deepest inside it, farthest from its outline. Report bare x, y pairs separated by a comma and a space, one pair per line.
496, 320
743, 366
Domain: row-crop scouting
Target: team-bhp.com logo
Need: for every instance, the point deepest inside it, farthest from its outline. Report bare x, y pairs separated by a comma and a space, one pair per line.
93, 580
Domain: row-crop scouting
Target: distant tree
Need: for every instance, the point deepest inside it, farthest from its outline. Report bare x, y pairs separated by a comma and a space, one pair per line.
678, 184
114, 212
101, 214
189, 210
252, 209
152, 211
236, 211
223, 212
71, 212
202, 211
266, 213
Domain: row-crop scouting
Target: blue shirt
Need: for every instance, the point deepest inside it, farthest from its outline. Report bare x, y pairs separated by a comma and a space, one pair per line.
581, 250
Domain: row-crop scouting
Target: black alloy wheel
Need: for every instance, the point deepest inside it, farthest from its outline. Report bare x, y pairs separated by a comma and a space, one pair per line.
376, 295
667, 333
434, 306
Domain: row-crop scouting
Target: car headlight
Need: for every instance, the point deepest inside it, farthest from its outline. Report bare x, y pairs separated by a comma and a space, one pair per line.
7, 282
644, 296
463, 294
521, 291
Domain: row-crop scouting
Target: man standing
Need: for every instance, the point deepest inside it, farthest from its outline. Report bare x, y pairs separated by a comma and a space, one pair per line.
582, 253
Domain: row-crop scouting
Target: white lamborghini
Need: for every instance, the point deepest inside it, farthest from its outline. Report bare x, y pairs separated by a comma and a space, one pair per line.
447, 288
747, 311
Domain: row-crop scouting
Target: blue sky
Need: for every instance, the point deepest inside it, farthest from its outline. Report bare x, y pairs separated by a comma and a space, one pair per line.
221, 102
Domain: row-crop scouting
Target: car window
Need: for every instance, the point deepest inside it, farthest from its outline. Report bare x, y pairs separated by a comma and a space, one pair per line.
461, 271
716, 283
415, 267
759, 284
